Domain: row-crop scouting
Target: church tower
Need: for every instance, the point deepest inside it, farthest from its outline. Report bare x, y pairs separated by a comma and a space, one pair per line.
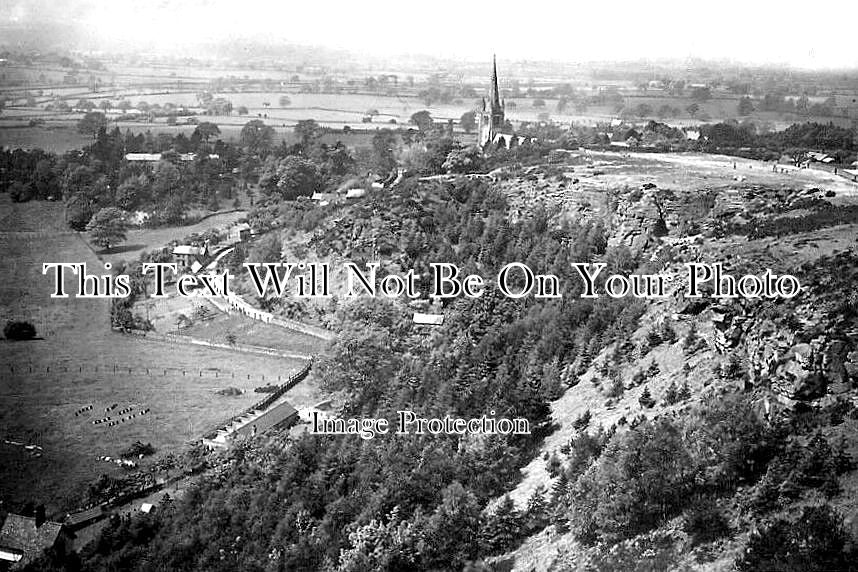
491, 120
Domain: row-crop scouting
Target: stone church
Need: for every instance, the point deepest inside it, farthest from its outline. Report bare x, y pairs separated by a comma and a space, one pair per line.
491, 119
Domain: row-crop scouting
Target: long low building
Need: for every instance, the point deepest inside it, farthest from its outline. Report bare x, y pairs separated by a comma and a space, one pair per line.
281, 414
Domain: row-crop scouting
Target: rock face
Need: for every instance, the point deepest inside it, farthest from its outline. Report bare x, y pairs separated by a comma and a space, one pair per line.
796, 365
639, 219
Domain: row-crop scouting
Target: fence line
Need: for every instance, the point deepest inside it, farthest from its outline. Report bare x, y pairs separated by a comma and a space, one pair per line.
235, 303
244, 348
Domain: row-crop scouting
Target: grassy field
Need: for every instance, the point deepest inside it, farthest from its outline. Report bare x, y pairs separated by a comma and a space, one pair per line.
252, 332
43, 382
140, 240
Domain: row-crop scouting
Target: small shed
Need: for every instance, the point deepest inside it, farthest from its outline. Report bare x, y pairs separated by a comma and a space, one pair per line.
422, 319
239, 232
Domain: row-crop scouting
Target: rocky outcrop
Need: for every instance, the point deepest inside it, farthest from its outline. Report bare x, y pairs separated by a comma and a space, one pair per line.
638, 220
796, 365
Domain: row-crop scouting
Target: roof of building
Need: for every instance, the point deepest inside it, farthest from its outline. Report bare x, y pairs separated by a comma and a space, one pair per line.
146, 507
142, 156
84, 516
355, 193
428, 319
21, 536
187, 249
271, 417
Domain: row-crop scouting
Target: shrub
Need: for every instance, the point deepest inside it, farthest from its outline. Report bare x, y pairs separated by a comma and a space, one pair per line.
18, 331
582, 421
816, 542
704, 523
138, 448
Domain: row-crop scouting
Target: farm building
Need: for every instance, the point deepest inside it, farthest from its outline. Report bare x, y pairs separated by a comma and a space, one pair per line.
253, 423
275, 416
185, 255
325, 198
82, 518
820, 157
239, 232
355, 193
155, 157
143, 157
24, 538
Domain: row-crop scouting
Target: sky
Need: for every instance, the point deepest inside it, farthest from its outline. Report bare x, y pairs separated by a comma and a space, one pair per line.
750, 31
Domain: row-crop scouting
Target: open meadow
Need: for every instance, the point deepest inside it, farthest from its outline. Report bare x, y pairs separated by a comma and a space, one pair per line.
78, 361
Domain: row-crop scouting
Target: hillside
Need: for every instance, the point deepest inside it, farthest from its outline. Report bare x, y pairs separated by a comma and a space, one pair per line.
665, 434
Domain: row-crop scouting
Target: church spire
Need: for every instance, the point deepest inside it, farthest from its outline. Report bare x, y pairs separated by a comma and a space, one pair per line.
495, 94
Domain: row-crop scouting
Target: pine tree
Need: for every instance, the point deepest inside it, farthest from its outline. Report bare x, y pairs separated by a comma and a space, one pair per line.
535, 514
502, 528
671, 396
692, 340
684, 392
646, 399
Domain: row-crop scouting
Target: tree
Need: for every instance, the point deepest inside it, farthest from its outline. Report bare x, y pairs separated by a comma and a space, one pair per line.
643, 110
538, 102
463, 160
269, 249
816, 542
307, 131
646, 399
18, 330
422, 119
745, 106
692, 109
665, 111
642, 479
207, 130
285, 101
291, 178
107, 227
383, 150
468, 121
701, 93
242, 110
257, 136
502, 528
91, 123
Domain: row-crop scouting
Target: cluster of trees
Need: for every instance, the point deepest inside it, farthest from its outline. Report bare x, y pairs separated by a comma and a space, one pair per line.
98, 176
617, 485
746, 139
